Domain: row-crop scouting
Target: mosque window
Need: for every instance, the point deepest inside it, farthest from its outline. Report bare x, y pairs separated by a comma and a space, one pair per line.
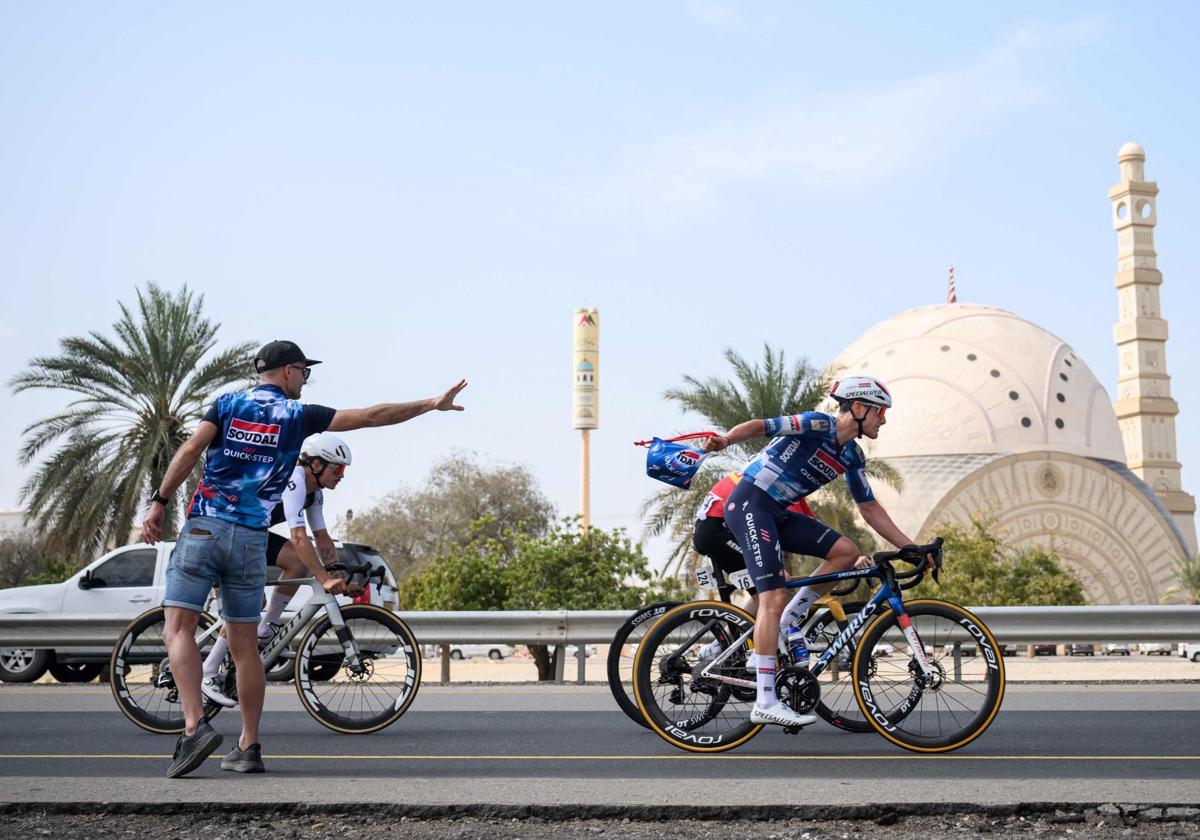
1060, 396
945, 347
1067, 362
995, 373
1059, 423
1013, 395
1026, 422
971, 357
1063, 377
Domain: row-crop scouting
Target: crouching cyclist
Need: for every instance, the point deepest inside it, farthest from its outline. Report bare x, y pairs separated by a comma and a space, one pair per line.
320, 467
806, 452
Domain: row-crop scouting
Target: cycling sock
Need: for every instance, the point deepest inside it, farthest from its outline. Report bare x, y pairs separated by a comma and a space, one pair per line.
212, 665
797, 607
275, 605
765, 666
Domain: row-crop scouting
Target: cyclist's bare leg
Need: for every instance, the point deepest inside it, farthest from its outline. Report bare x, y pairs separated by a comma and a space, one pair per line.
766, 625
179, 635
251, 682
289, 564
841, 557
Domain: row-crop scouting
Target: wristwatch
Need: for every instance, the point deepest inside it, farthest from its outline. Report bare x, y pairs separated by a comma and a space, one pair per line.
162, 500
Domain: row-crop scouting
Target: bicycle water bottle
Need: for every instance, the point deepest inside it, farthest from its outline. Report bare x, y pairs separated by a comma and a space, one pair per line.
797, 645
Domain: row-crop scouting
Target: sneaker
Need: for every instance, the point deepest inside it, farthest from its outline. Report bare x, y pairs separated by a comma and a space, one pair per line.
191, 750
214, 689
780, 715
710, 650
263, 641
247, 760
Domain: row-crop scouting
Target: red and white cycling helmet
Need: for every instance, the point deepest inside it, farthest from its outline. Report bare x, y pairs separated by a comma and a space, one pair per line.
863, 389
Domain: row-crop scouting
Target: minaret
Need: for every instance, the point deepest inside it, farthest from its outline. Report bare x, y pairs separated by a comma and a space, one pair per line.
1145, 409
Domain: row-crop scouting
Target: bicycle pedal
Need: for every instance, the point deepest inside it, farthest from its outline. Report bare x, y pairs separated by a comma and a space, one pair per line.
792, 730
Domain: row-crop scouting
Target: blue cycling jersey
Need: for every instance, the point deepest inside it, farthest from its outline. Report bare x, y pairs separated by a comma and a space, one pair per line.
804, 456
259, 434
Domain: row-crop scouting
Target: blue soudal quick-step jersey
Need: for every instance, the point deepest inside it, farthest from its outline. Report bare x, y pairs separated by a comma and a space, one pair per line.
259, 434
804, 456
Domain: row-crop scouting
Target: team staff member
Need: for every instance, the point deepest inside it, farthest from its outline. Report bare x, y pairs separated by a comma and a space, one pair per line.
251, 441
323, 461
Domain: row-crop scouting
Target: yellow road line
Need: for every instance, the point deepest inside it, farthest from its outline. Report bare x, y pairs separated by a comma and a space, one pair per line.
682, 757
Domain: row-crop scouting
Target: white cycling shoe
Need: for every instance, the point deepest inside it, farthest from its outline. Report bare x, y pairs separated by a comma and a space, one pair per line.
211, 688
780, 715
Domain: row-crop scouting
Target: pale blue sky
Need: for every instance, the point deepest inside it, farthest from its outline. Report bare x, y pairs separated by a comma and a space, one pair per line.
420, 193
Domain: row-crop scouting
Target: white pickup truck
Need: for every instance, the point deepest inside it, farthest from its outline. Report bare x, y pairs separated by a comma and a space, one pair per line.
126, 582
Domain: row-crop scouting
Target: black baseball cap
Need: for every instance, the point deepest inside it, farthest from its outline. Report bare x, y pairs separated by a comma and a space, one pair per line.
276, 354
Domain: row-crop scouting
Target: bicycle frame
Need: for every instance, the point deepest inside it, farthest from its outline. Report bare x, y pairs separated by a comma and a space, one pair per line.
889, 591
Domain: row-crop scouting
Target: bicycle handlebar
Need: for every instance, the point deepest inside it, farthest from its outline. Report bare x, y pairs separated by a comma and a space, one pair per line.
928, 556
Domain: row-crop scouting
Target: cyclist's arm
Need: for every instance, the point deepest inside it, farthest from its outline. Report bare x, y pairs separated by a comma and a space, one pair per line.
181, 466
389, 414
316, 568
880, 522
325, 546
807, 425
738, 434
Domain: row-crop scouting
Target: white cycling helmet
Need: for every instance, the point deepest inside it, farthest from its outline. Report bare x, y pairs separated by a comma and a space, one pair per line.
328, 447
863, 389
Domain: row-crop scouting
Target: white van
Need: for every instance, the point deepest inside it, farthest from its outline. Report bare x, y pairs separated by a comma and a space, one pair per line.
126, 582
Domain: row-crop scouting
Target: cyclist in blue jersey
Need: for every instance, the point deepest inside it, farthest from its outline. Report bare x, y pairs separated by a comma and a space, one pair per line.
251, 442
806, 452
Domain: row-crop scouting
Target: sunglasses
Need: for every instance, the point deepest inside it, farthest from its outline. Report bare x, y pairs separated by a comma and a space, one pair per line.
882, 409
338, 469
304, 371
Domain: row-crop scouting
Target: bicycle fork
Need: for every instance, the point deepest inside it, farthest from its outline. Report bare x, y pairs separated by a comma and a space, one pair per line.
345, 637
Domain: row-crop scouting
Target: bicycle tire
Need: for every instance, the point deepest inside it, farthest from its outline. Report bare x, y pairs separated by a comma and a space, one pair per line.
147, 704
623, 651
724, 710
937, 623
380, 635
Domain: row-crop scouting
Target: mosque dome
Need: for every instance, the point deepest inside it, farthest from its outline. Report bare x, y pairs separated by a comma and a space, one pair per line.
973, 379
1131, 150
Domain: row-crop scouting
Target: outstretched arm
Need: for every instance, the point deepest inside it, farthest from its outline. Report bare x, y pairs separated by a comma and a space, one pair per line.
389, 414
741, 432
879, 520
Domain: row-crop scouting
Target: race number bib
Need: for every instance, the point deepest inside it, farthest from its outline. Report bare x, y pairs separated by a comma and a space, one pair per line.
705, 576
741, 579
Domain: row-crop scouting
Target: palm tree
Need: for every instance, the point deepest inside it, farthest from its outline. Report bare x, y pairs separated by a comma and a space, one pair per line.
140, 394
1187, 567
770, 388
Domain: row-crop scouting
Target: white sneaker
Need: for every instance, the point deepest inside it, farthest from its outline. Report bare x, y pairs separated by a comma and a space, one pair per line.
211, 688
710, 650
781, 715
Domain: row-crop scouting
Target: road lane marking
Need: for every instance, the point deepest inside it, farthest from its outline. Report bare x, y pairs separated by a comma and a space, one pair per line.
163, 756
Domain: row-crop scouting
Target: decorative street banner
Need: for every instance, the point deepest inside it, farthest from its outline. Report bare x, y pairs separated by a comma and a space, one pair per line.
585, 393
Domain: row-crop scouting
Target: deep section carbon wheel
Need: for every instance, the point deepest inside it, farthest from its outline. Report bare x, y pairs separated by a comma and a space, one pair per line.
937, 708
623, 651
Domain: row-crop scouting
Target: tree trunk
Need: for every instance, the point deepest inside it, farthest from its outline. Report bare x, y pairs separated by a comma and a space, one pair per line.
546, 662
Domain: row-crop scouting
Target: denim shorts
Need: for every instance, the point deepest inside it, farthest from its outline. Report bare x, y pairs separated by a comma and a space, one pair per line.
212, 551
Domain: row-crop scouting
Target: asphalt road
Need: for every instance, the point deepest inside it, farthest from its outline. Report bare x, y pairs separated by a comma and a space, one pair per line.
570, 746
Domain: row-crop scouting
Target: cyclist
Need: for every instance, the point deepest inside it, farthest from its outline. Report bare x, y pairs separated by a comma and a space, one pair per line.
251, 441
806, 452
323, 461
712, 538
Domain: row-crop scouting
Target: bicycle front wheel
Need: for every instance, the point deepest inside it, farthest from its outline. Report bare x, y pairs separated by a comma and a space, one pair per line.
623, 651
934, 711
686, 707
141, 680
357, 697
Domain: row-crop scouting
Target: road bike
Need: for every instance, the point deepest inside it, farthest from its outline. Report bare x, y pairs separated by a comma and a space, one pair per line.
825, 620
910, 680
357, 667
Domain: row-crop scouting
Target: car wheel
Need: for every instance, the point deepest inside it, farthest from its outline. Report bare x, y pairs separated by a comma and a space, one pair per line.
1196, 656
23, 665
456, 654
495, 655
76, 672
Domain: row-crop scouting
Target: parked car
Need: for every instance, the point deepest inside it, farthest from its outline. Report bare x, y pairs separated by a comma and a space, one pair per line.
1045, 650
125, 583
1081, 649
1157, 648
493, 652
573, 650
1190, 650
1117, 649
1010, 650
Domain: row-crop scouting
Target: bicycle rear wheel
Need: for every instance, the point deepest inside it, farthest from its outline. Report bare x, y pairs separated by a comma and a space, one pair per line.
362, 697
937, 712
623, 651
141, 680
686, 708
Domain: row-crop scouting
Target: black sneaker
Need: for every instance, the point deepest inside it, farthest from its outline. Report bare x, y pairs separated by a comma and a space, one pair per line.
191, 750
247, 760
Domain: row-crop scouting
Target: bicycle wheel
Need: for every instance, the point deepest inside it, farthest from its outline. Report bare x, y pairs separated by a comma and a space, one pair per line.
361, 697
944, 710
141, 674
686, 708
622, 652
837, 705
